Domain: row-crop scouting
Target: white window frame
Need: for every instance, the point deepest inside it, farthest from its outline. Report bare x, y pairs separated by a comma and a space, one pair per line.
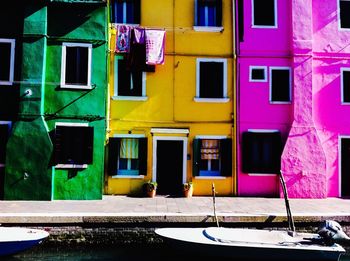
115, 96
338, 16
63, 66
9, 124
252, 67
12, 60
124, 15
71, 166
205, 28
290, 84
342, 70
216, 100
265, 26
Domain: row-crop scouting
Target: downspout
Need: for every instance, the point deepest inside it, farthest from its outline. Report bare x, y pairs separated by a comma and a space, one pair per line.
234, 100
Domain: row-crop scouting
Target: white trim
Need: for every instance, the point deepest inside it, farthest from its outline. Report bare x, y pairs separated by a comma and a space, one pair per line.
252, 67
214, 29
129, 98
170, 131
342, 69
184, 155
12, 42
263, 130
142, 97
63, 66
265, 26
134, 136
72, 124
340, 137
261, 174
128, 176
212, 100
210, 177
281, 68
71, 166
338, 17
217, 60
211, 137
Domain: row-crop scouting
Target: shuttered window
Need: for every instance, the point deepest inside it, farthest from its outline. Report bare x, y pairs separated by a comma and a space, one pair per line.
280, 84
208, 13
74, 145
127, 156
212, 157
261, 152
125, 11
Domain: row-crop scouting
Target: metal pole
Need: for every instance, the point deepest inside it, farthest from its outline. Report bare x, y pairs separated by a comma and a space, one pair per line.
286, 200
215, 216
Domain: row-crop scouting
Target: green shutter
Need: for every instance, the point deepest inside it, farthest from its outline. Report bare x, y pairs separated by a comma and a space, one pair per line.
113, 154
226, 157
143, 156
196, 156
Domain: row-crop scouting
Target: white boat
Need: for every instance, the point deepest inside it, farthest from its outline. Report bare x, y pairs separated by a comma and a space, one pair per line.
16, 239
250, 244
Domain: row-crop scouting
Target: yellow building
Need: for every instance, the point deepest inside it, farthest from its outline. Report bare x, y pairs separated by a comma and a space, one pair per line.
173, 124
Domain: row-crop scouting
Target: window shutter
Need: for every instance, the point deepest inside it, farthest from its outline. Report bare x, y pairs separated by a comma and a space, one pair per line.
247, 142
143, 156
276, 152
58, 145
219, 13
197, 143
113, 155
4, 133
240, 21
88, 148
137, 12
226, 157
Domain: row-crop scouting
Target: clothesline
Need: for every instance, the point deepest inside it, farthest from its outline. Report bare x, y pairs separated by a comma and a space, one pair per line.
178, 28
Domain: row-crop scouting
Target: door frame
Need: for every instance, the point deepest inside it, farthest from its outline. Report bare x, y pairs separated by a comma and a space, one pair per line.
184, 155
340, 137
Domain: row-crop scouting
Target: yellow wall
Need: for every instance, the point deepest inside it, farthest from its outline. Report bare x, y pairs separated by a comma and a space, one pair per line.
172, 87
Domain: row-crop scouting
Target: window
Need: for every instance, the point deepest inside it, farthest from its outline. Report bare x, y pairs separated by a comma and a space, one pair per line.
125, 11
7, 61
257, 74
344, 9
345, 85
127, 156
76, 65
4, 136
208, 13
212, 157
73, 145
211, 80
261, 152
280, 84
128, 83
264, 13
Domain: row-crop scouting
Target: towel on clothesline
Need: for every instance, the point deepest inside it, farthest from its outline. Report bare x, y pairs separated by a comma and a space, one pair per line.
155, 40
123, 39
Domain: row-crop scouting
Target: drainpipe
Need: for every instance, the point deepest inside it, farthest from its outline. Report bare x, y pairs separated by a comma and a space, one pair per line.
303, 162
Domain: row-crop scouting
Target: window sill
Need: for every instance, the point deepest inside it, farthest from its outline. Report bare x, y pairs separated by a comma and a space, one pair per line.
71, 166
210, 177
213, 100
280, 102
5, 83
213, 29
261, 174
129, 98
128, 176
79, 87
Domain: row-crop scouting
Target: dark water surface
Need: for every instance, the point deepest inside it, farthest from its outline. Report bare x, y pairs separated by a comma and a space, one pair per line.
119, 253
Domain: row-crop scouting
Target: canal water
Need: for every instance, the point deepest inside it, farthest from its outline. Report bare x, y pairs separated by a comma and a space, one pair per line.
118, 253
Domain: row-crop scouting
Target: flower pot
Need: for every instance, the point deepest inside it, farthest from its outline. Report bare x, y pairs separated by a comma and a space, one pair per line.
151, 193
188, 192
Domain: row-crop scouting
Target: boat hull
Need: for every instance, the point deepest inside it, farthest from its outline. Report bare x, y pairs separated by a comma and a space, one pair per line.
195, 241
14, 240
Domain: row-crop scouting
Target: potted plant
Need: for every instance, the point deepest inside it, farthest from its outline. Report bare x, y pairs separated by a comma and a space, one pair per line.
188, 189
151, 188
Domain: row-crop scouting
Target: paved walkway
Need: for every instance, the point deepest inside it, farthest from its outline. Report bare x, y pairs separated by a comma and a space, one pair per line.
167, 209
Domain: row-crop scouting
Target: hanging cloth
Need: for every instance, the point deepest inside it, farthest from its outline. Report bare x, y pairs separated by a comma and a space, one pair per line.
123, 38
129, 148
210, 149
155, 42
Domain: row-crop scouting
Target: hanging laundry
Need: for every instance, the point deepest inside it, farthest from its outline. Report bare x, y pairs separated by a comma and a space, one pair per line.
155, 41
139, 35
123, 38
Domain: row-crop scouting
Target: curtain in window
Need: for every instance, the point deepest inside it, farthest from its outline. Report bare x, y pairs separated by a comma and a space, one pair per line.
129, 149
210, 149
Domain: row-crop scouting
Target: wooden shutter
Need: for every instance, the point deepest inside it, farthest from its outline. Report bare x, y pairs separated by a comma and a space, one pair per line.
137, 12
88, 142
4, 133
219, 13
240, 20
113, 155
58, 145
143, 156
197, 143
226, 157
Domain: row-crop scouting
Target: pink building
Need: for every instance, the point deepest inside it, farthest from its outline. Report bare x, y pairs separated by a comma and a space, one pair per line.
293, 97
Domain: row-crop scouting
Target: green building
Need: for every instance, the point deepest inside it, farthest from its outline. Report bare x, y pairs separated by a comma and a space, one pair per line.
53, 89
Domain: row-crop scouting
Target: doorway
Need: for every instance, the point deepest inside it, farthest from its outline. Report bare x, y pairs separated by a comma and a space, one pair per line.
169, 166
344, 178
